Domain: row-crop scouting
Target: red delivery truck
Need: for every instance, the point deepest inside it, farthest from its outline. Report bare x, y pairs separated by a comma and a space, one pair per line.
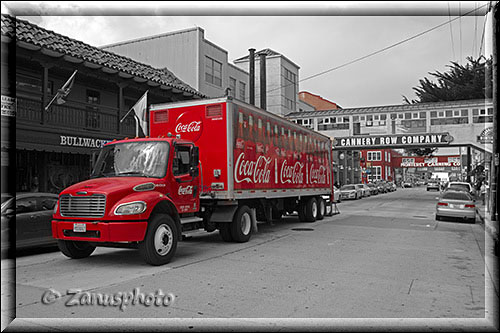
217, 164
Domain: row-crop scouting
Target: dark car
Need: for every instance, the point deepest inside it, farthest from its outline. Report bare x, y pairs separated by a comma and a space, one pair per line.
33, 216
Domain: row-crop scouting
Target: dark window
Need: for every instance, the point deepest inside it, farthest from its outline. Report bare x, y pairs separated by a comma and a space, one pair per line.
93, 118
213, 72
182, 160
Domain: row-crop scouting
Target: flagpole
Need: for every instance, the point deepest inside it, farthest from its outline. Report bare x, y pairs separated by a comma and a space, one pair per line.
62, 88
125, 116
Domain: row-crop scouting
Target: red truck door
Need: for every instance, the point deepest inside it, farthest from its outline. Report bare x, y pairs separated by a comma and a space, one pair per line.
186, 187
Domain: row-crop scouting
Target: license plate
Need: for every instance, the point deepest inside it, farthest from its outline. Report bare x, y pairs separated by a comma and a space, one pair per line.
79, 227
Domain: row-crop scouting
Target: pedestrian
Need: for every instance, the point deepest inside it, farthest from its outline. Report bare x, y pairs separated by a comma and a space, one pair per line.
482, 192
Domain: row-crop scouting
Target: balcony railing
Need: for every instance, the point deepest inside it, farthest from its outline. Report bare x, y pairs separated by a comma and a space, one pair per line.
81, 116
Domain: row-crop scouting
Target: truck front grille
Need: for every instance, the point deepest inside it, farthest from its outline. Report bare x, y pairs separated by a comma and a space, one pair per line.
83, 206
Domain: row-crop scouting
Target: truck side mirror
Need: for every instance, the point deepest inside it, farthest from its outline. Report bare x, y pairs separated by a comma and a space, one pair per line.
196, 157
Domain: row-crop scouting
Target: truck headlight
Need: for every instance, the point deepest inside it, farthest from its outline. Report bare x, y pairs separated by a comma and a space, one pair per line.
131, 208
55, 207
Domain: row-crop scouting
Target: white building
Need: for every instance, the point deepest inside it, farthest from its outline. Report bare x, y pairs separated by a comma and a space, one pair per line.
206, 67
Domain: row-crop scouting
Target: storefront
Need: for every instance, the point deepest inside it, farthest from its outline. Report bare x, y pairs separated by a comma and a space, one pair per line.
51, 160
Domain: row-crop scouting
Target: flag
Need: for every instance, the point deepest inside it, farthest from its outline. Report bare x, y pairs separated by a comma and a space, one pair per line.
140, 109
62, 93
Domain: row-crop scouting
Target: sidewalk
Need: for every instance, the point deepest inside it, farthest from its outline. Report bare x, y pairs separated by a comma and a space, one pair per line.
491, 227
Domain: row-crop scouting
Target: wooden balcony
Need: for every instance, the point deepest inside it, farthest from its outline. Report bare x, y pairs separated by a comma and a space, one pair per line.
75, 115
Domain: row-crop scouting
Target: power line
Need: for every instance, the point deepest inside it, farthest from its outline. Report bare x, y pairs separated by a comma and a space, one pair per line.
379, 51
451, 32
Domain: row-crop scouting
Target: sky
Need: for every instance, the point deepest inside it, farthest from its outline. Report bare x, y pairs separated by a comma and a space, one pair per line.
354, 54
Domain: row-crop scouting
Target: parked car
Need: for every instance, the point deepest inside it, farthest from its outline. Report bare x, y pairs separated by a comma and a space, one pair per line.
365, 190
350, 191
407, 184
33, 216
456, 204
433, 185
373, 188
461, 186
392, 186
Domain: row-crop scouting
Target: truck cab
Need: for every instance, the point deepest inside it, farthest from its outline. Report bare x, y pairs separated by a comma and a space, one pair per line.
139, 191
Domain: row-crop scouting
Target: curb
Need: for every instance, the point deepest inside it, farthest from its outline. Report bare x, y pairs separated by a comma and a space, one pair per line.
490, 229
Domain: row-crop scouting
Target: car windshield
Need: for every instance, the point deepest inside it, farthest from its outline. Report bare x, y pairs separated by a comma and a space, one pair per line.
131, 159
452, 195
347, 187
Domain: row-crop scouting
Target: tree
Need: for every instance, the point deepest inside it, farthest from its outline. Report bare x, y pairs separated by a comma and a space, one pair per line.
461, 82
471, 81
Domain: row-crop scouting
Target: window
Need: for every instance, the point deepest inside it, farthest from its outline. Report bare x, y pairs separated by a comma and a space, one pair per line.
182, 160
289, 84
423, 115
242, 91
32, 84
407, 115
232, 86
93, 118
374, 156
213, 71
449, 117
377, 172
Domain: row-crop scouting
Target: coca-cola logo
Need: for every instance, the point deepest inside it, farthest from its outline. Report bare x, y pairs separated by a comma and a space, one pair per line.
185, 190
194, 126
257, 172
292, 173
317, 175
189, 126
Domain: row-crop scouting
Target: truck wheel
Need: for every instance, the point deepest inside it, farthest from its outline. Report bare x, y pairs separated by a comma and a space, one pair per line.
321, 209
311, 211
241, 227
160, 243
225, 232
75, 249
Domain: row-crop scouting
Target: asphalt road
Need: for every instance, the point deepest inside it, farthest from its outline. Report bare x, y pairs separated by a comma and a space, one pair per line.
384, 261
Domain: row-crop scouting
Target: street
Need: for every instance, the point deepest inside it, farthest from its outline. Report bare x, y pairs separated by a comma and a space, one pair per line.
382, 257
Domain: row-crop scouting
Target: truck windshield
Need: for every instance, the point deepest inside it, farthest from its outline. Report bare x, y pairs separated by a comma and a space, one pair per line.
132, 159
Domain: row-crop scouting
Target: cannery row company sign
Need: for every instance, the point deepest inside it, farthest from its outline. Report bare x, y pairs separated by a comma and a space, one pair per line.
393, 141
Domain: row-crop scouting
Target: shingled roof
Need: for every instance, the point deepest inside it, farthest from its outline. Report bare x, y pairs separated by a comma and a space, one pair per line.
28, 33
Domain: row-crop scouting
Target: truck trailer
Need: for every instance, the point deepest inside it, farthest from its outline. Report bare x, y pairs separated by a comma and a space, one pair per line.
216, 164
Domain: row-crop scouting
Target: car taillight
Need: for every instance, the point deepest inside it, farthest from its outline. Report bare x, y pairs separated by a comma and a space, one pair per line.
442, 204
470, 206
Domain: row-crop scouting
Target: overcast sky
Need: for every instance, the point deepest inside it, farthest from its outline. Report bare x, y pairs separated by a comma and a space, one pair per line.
370, 53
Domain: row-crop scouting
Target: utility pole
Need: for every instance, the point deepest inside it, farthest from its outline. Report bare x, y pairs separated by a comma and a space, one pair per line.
494, 164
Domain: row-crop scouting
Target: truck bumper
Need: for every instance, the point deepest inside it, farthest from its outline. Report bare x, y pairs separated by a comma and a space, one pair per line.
100, 231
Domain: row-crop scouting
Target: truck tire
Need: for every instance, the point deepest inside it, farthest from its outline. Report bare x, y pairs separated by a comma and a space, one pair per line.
241, 227
321, 209
225, 232
311, 210
75, 249
160, 243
